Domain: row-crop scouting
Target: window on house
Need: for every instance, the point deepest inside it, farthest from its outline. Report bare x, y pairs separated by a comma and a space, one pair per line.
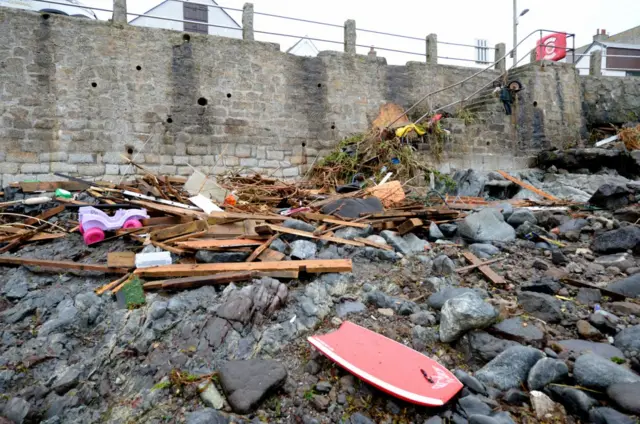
482, 51
195, 12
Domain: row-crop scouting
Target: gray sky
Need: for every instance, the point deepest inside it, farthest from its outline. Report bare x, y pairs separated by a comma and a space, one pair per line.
460, 21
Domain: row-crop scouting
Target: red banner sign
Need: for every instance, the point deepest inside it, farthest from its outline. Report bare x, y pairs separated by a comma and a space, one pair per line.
552, 47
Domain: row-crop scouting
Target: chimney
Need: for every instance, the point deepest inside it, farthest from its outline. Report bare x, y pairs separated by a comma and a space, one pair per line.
601, 35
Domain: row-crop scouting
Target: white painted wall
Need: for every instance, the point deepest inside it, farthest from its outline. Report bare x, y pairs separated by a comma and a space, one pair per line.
304, 47
583, 62
174, 10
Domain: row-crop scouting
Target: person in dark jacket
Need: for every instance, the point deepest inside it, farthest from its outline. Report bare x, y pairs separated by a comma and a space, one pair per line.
505, 96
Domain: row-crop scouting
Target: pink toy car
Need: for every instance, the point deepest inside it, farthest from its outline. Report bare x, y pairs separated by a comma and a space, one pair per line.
94, 222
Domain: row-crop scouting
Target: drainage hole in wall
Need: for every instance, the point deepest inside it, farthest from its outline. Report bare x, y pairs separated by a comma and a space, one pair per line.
488, 143
319, 85
304, 144
129, 150
535, 104
186, 37
228, 95
333, 127
138, 68
169, 120
45, 16
94, 84
202, 101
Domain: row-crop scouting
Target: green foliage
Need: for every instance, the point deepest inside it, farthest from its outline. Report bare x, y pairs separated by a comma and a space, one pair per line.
133, 293
309, 394
617, 360
162, 385
467, 116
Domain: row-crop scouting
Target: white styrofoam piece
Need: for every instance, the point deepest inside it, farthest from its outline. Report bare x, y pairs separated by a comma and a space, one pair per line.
146, 260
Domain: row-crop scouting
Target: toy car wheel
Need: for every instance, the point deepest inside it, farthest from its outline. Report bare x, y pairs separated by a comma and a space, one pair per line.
93, 235
132, 223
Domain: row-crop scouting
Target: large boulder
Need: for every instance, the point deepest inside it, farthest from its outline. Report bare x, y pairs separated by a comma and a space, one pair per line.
510, 369
540, 305
482, 347
520, 216
246, 383
629, 286
463, 313
545, 371
628, 340
626, 396
619, 240
469, 183
486, 225
596, 372
518, 330
437, 300
612, 196
578, 347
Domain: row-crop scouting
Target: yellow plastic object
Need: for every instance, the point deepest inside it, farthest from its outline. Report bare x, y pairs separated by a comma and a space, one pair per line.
402, 131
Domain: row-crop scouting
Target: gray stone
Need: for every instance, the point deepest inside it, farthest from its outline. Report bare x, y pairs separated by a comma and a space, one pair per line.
540, 305
278, 245
377, 239
501, 417
558, 258
482, 419
345, 308
515, 397
514, 329
545, 285
622, 261
67, 380
296, 224
483, 346
629, 286
484, 250
612, 196
157, 310
358, 418
443, 265
628, 340
509, 369
237, 308
574, 225
16, 410
520, 216
469, 182
16, 290
434, 232
472, 405
619, 240
449, 230
211, 257
626, 396
546, 371
415, 243
433, 420
470, 382
587, 331
604, 321
582, 346
604, 415
323, 387
542, 405
625, 308
424, 337
594, 371
210, 395
206, 416
407, 245
65, 318
575, 401
463, 313
320, 403
486, 225
588, 296
246, 383
437, 300
303, 249
349, 233
423, 318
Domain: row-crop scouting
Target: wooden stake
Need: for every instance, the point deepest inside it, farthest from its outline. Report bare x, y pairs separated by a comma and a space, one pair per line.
488, 272
262, 247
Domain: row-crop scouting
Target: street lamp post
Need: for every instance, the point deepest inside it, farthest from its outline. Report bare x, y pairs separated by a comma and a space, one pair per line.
514, 53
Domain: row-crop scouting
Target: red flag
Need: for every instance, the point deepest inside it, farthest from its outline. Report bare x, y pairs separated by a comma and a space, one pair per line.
552, 47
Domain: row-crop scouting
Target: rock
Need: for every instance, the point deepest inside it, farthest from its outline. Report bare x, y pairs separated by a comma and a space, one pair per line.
358, 418
558, 258
625, 308
443, 265
210, 395
520, 216
542, 306
543, 406
628, 339
545, 285
604, 415
303, 249
387, 312
469, 182
575, 401
323, 387
349, 233
157, 310
612, 196
622, 261
320, 403
67, 380
423, 337
449, 230
619, 240
65, 318
463, 313
296, 224
515, 397
626, 396
16, 410
482, 419
582, 346
312, 367
237, 308
604, 321
574, 225
407, 245
501, 418
470, 382
211, 257
629, 286
509, 369
16, 290
472, 405
483, 346
486, 225
416, 244
377, 239
345, 308
546, 371
588, 297
594, 371
434, 232
246, 383
587, 331
422, 318
515, 329
484, 250
437, 300
278, 245
540, 264
206, 416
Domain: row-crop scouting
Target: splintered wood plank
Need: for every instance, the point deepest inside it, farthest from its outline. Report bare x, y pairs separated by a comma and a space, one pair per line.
217, 244
171, 210
262, 248
529, 187
258, 217
121, 259
61, 265
331, 220
373, 244
271, 255
186, 270
205, 280
45, 215
478, 265
409, 225
30, 187
179, 230
165, 220
307, 234
485, 269
46, 236
112, 285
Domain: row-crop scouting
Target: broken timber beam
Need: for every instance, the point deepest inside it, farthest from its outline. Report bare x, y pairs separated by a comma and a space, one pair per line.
280, 229
205, 280
61, 265
485, 269
529, 187
409, 225
478, 265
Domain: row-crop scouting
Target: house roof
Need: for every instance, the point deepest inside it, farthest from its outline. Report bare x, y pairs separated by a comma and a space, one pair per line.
585, 49
623, 39
196, 1
304, 41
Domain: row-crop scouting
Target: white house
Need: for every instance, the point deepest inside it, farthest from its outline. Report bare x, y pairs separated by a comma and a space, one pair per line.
203, 16
73, 7
620, 53
304, 47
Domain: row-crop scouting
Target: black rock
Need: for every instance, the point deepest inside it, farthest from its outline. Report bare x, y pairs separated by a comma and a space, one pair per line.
482, 419
606, 415
449, 230
515, 397
596, 372
575, 401
211, 257
520, 216
482, 346
629, 286
542, 306
510, 368
67, 380
470, 382
574, 225
472, 405
619, 240
434, 232
604, 321
588, 296
545, 285
437, 300
545, 371
626, 396
502, 417
628, 340
424, 337
206, 416
16, 409
358, 418
246, 383
558, 258
345, 308
583, 346
612, 196
514, 329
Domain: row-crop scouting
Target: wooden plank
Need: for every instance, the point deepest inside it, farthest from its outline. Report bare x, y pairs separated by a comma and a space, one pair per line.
30, 187
205, 280
262, 248
234, 215
61, 265
474, 266
331, 220
290, 274
217, 244
485, 269
529, 187
112, 285
168, 248
576, 283
311, 266
271, 255
286, 230
46, 236
409, 225
45, 215
121, 259
171, 210
186, 237
164, 220
373, 244
179, 230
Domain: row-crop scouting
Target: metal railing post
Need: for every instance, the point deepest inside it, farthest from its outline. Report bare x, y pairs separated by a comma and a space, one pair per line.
501, 62
595, 63
432, 49
120, 11
247, 22
350, 36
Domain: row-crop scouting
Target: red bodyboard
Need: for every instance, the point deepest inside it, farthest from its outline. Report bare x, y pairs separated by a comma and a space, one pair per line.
388, 365
552, 47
